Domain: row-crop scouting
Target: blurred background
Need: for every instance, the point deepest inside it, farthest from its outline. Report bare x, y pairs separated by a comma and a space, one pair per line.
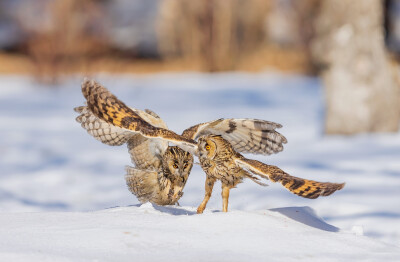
346, 43
326, 69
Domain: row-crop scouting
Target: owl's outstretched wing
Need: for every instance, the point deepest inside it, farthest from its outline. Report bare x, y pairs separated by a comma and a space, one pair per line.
101, 130
145, 153
108, 133
110, 109
245, 135
299, 186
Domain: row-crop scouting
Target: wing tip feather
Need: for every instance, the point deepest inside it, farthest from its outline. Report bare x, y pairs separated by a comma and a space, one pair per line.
79, 109
340, 186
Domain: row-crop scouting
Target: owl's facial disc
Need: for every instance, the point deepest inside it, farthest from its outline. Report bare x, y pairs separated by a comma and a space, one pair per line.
180, 169
178, 163
206, 148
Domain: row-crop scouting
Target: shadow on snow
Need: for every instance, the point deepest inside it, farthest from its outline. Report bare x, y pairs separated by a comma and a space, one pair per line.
307, 216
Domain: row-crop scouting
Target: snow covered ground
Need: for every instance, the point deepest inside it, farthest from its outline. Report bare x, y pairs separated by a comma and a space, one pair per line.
63, 196
150, 233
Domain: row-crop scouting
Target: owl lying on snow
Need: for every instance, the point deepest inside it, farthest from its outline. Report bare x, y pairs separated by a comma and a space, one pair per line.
161, 171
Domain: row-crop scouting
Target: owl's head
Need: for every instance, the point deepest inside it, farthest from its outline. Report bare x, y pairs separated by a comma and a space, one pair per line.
211, 146
177, 164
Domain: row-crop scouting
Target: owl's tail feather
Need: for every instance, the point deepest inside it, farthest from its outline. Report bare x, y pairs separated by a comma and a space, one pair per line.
299, 186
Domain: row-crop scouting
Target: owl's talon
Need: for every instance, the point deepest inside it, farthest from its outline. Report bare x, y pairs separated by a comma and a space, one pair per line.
200, 210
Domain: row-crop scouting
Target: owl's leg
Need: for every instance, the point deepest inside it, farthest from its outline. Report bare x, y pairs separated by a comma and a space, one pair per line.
209, 187
225, 197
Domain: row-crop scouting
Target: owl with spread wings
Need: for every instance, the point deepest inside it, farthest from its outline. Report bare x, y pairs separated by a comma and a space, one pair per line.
161, 171
220, 161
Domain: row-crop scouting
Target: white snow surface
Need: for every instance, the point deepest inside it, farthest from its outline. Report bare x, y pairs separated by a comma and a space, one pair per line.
63, 196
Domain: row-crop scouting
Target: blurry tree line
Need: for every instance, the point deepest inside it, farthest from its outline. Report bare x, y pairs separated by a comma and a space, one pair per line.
213, 35
346, 42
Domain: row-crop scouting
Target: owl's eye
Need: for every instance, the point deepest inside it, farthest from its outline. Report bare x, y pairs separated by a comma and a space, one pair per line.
175, 166
185, 165
208, 147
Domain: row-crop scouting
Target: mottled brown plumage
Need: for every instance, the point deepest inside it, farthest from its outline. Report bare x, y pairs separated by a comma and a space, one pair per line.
165, 186
245, 135
299, 186
110, 121
160, 171
220, 161
110, 109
